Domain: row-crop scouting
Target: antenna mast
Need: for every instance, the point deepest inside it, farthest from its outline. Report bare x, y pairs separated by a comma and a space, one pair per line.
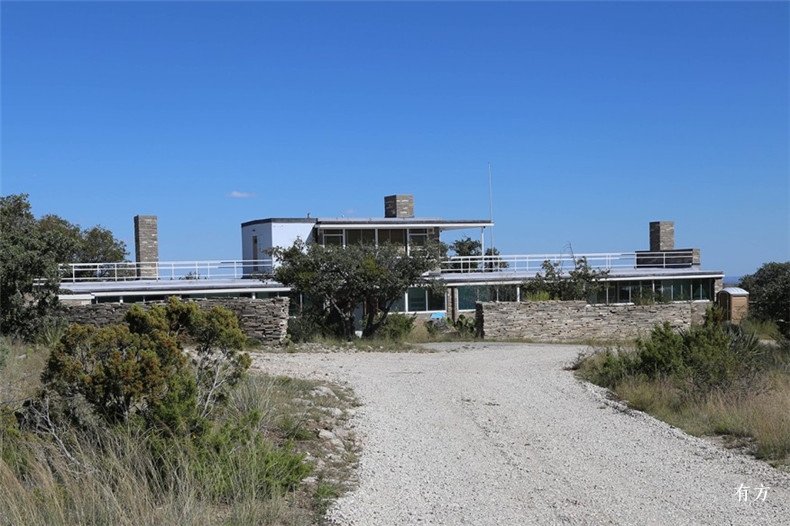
491, 208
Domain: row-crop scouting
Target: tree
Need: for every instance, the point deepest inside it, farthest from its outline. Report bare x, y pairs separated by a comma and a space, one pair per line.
466, 249
28, 269
337, 280
30, 251
91, 245
769, 294
580, 284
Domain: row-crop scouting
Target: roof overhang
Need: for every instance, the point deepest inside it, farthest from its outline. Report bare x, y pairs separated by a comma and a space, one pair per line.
397, 222
169, 287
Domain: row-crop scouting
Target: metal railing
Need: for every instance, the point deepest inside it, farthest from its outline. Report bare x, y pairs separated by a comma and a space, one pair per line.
165, 270
533, 262
237, 269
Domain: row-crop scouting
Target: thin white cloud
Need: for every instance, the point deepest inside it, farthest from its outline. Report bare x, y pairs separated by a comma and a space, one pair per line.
241, 195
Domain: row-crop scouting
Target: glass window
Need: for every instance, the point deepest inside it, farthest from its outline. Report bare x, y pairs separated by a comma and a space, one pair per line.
624, 290
418, 237
468, 296
332, 237
399, 305
391, 235
418, 299
503, 292
356, 237
436, 301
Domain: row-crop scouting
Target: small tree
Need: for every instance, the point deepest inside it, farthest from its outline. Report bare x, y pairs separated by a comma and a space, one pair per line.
220, 364
580, 284
769, 294
30, 251
28, 269
337, 280
466, 248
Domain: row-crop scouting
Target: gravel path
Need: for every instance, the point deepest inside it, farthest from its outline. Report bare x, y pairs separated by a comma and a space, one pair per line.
501, 434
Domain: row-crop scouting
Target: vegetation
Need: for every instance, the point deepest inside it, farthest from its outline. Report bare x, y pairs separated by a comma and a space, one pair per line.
337, 280
30, 251
712, 379
126, 427
581, 283
769, 295
467, 249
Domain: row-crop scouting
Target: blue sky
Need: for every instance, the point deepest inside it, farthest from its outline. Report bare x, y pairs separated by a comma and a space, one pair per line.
596, 118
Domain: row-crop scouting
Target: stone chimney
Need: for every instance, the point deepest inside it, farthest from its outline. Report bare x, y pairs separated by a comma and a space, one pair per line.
662, 236
400, 205
146, 246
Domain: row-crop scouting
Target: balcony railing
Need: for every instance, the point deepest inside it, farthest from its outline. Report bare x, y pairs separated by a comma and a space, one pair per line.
533, 262
165, 270
237, 269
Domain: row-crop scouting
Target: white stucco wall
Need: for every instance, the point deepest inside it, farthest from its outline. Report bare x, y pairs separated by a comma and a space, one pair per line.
271, 234
285, 234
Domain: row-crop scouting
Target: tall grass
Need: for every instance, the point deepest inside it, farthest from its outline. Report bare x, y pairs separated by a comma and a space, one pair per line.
120, 485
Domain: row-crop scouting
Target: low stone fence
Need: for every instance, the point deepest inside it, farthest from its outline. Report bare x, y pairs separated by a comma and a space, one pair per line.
571, 321
263, 319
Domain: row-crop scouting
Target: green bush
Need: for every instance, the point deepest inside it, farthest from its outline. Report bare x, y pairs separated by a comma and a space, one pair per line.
396, 327
704, 357
307, 326
465, 325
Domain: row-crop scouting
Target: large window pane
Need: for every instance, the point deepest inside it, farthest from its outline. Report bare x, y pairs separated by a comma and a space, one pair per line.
394, 236
332, 237
468, 296
418, 237
418, 299
436, 301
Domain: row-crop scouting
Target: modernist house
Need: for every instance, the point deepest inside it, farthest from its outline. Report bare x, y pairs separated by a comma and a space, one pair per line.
661, 271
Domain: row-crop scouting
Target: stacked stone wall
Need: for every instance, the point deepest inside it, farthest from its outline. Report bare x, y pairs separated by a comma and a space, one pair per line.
263, 319
573, 321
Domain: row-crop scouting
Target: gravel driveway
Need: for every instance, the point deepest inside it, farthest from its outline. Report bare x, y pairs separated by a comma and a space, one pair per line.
501, 434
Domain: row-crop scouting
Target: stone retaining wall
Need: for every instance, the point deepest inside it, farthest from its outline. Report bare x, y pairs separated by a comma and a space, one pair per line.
571, 321
263, 319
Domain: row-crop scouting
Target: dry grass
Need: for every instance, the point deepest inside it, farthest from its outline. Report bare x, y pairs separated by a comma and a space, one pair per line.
756, 419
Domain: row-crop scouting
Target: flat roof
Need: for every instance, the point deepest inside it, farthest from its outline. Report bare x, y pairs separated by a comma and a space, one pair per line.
170, 287
505, 276
236, 286
403, 222
378, 222
280, 220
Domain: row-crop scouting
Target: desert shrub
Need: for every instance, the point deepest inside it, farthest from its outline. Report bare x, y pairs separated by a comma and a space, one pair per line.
396, 327
705, 357
607, 367
309, 325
